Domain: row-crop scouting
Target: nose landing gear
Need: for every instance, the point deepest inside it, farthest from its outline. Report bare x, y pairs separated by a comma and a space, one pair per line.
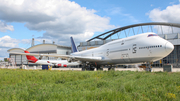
149, 67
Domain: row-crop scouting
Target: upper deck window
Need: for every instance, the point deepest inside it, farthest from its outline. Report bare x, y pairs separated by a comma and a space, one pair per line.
152, 35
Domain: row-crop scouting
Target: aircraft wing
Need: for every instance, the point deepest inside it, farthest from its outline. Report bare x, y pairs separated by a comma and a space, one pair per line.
48, 55
81, 58
89, 59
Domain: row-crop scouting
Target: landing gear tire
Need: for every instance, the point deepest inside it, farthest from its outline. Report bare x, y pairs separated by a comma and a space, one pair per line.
87, 67
111, 68
99, 67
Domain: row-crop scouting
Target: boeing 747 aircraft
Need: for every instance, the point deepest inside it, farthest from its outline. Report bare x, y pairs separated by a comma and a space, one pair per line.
141, 48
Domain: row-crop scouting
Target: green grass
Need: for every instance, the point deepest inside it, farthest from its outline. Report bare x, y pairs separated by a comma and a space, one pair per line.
44, 85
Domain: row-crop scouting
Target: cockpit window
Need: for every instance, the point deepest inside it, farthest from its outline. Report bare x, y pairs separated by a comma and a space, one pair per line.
152, 35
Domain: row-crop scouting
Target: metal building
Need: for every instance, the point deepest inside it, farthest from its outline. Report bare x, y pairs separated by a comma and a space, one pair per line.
41, 49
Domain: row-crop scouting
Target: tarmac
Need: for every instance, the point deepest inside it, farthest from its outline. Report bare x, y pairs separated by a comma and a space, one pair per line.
155, 69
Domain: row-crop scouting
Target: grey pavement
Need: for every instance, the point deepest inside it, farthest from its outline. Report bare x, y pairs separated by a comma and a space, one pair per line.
105, 69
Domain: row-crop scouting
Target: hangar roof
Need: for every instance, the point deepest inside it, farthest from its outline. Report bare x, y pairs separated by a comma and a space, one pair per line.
40, 48
16, 50
48, 45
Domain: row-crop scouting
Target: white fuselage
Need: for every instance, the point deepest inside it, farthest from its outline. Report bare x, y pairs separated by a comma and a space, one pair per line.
135, 49
59, 63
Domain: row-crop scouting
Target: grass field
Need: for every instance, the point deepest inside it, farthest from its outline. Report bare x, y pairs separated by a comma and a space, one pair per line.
35, 85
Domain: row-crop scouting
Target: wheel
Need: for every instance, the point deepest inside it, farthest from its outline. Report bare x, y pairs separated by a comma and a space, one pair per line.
91, 68
111, 68
99, 67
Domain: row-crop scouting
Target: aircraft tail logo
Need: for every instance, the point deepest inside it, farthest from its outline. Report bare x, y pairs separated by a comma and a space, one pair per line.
73, 46
31, 59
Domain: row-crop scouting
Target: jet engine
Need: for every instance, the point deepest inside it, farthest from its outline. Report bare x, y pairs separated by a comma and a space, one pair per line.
60, 65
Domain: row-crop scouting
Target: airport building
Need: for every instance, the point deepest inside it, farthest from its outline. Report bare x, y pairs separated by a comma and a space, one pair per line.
41, 49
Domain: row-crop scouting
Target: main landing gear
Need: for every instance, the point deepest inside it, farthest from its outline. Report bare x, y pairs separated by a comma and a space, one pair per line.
87, 67
99, 67
90, 67
111, 68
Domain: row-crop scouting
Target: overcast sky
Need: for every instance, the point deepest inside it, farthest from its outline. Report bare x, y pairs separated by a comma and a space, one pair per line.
57, 20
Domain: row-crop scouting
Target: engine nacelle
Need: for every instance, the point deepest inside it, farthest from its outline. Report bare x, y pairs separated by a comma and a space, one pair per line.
61, 65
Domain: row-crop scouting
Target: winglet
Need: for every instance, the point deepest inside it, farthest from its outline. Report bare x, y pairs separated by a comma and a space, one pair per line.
31, 59
73, 46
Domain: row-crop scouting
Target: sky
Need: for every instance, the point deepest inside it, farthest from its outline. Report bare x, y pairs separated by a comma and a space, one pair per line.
57, 20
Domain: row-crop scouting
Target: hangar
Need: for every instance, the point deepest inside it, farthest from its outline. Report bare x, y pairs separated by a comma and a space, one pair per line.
45, 48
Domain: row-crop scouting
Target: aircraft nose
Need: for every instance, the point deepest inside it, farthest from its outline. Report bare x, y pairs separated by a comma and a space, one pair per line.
169, 47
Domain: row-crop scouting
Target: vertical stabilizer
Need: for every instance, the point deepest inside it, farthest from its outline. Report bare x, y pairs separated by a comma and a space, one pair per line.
73, 46
30, 58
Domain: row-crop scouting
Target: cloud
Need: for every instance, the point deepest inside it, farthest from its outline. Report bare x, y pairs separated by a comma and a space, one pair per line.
170, 14
114, 11
58, 18
6, 42
118, 11
4, 27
